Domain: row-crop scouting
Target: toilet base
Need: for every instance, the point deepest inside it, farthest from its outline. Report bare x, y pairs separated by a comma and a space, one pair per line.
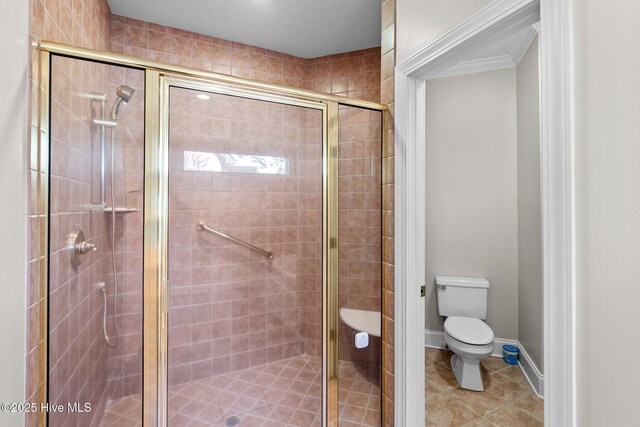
467, 372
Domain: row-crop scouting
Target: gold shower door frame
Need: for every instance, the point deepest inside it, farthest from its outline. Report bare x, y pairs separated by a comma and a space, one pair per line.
157, 213
159, 78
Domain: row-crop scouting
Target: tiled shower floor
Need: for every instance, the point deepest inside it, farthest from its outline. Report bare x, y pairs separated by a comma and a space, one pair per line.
283, 393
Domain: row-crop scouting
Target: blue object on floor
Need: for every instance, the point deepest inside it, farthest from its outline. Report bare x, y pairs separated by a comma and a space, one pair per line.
510, 354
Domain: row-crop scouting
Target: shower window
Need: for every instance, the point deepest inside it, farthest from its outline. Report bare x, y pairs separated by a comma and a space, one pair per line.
226, 162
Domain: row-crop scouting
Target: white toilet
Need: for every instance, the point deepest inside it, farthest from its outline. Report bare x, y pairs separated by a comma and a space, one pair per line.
463, 301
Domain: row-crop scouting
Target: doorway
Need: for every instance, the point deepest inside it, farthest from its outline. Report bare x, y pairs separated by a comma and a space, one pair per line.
490, 26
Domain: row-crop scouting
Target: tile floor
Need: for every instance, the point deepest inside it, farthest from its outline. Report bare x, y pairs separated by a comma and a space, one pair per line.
508, 399
287, 393
284, 393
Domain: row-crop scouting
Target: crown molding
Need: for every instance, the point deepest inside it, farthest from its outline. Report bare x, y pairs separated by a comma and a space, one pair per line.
477, 66
537, 26
494, 63
521, 47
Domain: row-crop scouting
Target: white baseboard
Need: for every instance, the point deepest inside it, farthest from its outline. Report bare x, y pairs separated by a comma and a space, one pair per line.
435, 339
531, 372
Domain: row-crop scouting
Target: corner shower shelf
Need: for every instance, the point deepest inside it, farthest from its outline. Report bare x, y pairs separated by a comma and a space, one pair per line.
120, 209
362, 320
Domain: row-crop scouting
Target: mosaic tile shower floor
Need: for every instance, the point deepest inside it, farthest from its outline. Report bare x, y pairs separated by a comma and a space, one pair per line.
283, 393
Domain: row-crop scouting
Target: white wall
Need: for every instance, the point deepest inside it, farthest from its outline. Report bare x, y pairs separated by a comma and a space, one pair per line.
471, 200
607, 149
13, 211
421, 22
530, 318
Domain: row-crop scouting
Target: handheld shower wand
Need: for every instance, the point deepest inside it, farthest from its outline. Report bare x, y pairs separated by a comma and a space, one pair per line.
124, 94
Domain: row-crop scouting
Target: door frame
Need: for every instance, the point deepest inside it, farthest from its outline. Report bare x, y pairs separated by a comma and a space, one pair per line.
557, 197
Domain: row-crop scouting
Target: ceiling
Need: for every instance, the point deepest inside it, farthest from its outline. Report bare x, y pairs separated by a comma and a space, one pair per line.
304, 28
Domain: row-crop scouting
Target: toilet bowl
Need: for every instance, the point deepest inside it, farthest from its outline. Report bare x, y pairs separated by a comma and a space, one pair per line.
471, 340
462, 301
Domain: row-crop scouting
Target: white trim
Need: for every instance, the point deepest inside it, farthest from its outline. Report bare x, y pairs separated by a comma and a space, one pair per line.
501, 18
558, 212
492, 63
537, 26
14, 222
435, 339
531, 371
491, 23
476, 66
409, 253
528, 36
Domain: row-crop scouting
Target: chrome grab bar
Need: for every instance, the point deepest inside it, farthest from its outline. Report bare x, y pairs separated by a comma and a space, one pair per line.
202, 226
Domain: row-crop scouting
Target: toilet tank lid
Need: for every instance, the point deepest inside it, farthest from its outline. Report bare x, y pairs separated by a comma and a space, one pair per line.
463, 282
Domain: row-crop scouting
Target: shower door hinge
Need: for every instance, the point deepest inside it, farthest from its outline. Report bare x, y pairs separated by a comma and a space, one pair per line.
423, 290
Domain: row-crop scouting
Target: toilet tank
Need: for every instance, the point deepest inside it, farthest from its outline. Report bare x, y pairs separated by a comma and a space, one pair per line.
462, 296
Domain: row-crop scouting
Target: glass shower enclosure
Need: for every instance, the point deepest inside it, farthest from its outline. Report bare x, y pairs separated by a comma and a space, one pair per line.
209, 237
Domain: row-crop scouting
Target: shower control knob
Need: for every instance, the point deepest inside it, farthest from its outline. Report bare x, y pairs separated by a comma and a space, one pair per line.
78, 247
85, 247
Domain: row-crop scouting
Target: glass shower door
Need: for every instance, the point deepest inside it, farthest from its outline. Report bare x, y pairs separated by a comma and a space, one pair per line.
95, 222
245, 268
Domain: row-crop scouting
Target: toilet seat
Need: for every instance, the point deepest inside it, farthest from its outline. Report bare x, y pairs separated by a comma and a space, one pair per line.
468, 330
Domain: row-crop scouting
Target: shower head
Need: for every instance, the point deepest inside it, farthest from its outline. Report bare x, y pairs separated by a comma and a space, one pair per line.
124, 93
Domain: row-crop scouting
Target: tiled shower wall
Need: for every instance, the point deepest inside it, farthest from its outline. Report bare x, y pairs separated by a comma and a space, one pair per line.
174, 46
359, 225
357, 75
86, 24
352, 74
